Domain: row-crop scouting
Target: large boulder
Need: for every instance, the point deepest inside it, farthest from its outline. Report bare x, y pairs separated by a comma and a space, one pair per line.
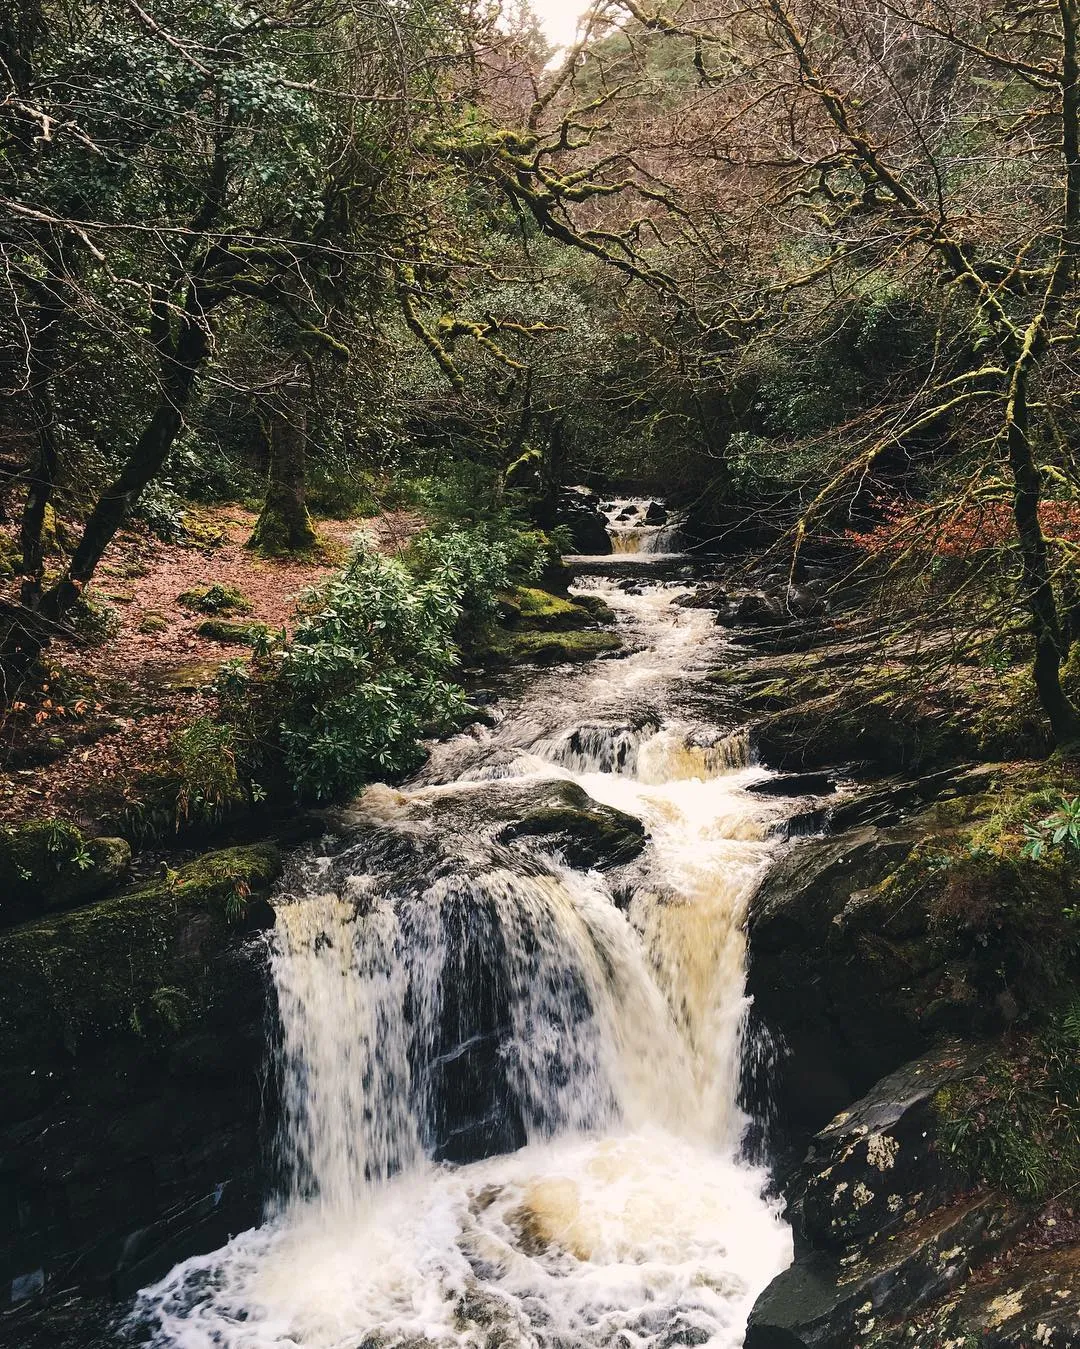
832, 993
131, 1051
826, 1301
48, 865
867, 945
883, 1224
578, 512
586, 833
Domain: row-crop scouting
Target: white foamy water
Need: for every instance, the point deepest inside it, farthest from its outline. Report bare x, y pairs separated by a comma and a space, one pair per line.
630, 532
604, 1042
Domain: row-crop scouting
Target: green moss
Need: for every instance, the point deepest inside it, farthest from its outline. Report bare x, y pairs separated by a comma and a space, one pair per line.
554, 648
94, 973
277, 534
230, 633
152, 623
48, 864
598, 610
529, 607
190, 676
10, 555
215, 599
1000, 929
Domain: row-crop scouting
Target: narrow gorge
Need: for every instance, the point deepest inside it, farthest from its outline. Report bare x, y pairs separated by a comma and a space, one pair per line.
509, 1084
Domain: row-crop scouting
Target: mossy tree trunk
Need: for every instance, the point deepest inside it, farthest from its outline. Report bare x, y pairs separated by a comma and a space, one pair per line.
42, 359
284, 525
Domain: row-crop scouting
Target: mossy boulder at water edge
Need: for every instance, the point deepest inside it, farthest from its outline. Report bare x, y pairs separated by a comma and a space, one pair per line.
557, 648
901, 1245
530, 607
539, 628
49, 865
586, 833
131, 1046
128, 965
866, 945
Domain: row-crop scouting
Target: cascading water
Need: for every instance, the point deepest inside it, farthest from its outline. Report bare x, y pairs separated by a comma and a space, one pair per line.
510, 1110
641, 526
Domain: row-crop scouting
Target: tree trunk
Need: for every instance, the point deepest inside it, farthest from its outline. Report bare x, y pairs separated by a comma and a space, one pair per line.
1050, 643
284, 525
42, 360
29, 630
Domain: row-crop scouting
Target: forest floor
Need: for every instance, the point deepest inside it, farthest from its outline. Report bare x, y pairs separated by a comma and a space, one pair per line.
109, 708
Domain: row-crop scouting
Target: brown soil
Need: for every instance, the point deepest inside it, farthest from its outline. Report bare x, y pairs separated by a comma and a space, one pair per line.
108, 711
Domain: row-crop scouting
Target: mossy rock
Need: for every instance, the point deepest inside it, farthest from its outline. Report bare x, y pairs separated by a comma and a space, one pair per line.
556, 648
150, 624
190, 677
215, 599
281, 534
229, 633
10, 556
129, 965
590, 835
598, 609
540, 611
49, 865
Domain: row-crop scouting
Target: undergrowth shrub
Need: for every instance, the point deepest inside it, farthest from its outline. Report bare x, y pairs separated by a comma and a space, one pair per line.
366, 674
209, 785
1016, 1122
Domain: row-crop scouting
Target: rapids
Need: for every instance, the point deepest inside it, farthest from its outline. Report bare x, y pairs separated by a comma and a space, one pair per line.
509, 1089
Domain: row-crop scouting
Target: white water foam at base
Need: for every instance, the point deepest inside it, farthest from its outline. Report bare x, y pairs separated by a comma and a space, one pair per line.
623, 1240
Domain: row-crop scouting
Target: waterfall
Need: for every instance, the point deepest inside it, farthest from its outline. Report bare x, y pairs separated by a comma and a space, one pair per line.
509, 1087
632, 530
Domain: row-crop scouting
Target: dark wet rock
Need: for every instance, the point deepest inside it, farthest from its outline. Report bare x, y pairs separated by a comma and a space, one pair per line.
795, 784
816, 985
754, 608
131, 1050
831, 1301
882, 1224
49, 865
1032, 1302
586, 834
578, 511
878, 1166
655, 514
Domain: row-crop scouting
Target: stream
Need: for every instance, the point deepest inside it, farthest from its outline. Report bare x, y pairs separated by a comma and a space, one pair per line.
509, 1087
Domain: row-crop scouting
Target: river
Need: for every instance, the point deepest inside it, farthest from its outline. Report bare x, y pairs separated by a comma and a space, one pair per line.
509, 1087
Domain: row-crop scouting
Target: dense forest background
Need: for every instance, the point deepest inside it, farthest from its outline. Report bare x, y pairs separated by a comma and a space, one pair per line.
808, 271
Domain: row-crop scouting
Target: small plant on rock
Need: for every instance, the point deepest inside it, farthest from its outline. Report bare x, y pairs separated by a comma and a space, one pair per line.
1059, 829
